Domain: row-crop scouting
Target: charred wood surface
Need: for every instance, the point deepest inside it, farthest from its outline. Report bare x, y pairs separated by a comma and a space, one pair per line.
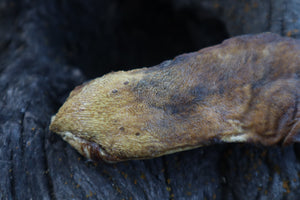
49, 47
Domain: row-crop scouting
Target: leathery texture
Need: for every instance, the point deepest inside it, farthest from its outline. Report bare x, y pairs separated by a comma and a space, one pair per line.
246, 89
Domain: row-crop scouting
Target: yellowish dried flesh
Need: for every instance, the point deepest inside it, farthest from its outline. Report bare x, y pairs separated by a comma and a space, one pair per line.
246, 89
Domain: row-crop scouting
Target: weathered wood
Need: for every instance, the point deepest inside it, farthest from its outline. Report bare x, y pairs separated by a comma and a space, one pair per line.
41, 40
240, 17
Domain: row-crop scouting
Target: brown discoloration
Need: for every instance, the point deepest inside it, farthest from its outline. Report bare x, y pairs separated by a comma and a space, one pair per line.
246, 89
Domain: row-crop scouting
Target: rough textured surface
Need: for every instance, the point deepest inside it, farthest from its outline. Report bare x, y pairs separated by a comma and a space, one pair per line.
40, 41
246, 89
252, 16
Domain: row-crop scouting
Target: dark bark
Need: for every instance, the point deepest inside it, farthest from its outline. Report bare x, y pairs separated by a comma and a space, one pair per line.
42, 45
240, 17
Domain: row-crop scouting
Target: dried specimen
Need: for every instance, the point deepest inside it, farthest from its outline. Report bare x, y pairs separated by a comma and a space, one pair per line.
246, 89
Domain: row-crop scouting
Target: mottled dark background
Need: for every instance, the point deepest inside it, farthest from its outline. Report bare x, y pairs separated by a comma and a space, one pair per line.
49, 46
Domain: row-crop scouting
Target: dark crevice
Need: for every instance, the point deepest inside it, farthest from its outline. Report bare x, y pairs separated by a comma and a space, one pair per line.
4, 46
282, 20
282, 26
257, 196
167, 177
270, 13
46, 164
271, 171
21, 140
297, 150
12, 176
132, 35
223, 170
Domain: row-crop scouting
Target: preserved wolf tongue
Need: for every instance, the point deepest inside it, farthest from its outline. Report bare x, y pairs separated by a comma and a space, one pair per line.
246, 89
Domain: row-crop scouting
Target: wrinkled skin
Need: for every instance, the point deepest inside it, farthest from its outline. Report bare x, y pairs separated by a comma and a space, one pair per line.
246, 89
